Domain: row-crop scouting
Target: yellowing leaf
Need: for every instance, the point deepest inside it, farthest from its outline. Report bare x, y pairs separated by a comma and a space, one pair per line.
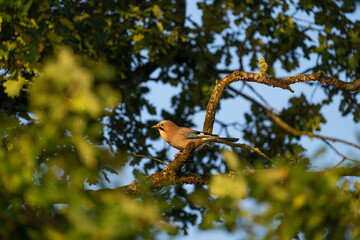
160, 26
157, 11
34, 23
232, 160
13, 87
81, 17
138, 37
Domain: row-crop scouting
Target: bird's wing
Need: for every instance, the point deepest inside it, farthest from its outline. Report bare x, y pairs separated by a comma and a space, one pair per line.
193, 134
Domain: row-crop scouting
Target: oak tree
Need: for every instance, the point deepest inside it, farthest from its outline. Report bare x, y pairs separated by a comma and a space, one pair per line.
73, 94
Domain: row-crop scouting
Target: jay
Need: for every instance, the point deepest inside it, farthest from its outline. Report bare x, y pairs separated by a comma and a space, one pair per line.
179, 137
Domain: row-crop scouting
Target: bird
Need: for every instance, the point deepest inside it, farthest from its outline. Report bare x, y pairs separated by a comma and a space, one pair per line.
179, 137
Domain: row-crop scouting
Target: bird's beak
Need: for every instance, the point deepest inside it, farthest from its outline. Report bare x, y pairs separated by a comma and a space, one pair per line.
155, 126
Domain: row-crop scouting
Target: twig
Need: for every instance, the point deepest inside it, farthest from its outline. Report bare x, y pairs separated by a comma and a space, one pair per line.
313, 92
143, 156
336, 151
344, 158
225, 126
240, 145
259, 96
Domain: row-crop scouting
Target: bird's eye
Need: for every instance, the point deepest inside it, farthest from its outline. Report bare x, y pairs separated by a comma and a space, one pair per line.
162, 124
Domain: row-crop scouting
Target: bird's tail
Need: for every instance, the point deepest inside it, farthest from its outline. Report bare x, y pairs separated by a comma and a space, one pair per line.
230, 139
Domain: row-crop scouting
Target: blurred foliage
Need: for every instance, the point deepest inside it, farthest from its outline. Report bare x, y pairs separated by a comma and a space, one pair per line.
290, 201
73, 94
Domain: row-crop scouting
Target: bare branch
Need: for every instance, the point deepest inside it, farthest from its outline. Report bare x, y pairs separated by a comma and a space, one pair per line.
339, 163
290, 129
259, 96
344, 158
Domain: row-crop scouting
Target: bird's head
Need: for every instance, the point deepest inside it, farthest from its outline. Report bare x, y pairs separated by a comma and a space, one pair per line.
165, 126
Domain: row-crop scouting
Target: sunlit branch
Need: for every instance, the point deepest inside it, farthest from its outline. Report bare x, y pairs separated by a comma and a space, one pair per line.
240, 145
283, 83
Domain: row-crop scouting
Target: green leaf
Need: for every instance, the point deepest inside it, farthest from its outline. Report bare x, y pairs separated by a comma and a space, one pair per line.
354, 62
13, 87
66, 22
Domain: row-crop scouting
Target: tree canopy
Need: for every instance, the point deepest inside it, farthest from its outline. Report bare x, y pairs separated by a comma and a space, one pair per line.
73, 87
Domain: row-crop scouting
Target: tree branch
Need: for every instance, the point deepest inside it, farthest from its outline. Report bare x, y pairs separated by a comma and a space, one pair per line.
135, 187
170, 175
320, 77
290, 129
283, 83
261, 97
344, 158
